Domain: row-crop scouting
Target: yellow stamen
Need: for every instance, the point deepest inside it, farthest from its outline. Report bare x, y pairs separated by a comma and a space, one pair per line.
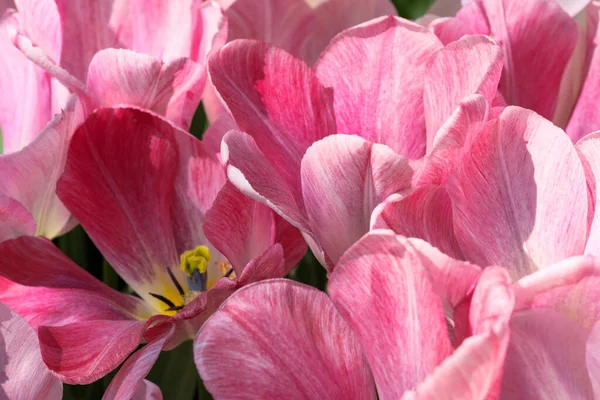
195, 260
224, 267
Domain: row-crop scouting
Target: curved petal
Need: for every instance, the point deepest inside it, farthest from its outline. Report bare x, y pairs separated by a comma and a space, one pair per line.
343, 178
296, 346
592, 358
172, 89
269, 264
40, 22
118, 182
30, 175
276, 99
519, 196
588, 149
424, 213
393, 53
545, 358
382, 288
24, 374
471, 65
147, 390
537, 39
15, 220
23, 119
125, 384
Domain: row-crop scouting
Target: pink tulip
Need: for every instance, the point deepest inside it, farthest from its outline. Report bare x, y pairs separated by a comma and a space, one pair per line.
389, 327
147, 193
411, 323
395, 99
550, 55
169, 79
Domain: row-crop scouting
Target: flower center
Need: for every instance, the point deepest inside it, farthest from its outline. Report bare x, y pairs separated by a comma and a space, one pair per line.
194, 263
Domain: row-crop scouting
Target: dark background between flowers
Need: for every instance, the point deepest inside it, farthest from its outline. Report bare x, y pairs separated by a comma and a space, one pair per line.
175, 372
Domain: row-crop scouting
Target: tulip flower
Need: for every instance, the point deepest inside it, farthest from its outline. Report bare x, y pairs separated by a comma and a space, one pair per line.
550, 45
156, 205
327, 186
389, 327
35, 144
405, 321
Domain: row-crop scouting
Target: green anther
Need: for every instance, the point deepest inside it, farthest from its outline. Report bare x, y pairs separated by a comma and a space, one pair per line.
195, 260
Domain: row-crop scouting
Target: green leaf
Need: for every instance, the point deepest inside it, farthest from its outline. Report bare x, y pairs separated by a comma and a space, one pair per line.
412, 9
1, 142
199, 122
310, 272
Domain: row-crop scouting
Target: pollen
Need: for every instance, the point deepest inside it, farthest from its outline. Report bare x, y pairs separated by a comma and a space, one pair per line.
194, 264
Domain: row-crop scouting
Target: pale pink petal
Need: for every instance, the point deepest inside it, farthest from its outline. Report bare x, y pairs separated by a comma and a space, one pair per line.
424, 213
25, 104
30, 175
589, 150
493, 300
83, 352
519, 196
573, 7
40, 22
343, 178
382, 288
15, 220
296, 346
537, 39
172, 89
393, 53
592, 358
545, 358
453, 139
147, 390
125, 384
239, 227
24, 374
469, 373
472, 65
118, 182
276, 99
449, 30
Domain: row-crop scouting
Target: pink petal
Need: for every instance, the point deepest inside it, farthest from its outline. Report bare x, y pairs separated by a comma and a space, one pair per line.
239, 227
6, 4
24, 374
15, 220
82, 352
126, 383
21, 121
537, 38
171, 89
393, 54
545, 358
471, 65
291, 240
382, 288
276, 99
590, 156
30, 175
296, 346
519, 196
424, 213
118, 182
343, 179
592, 358
40, 22
269, 264
147, 390
493, 300
469, 373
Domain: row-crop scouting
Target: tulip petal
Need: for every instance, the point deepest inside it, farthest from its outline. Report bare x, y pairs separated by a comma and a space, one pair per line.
172, 89
125, 384
30, 175
425, 213
147, 390
537, 39
590, 156
519, 196
382, 288
296, 346
24, 374
592, 358
239, 227
471, 65
15, 220
545, 358
393, 54
269, 264
343, 179
276, 99
21, 121
118, 182
41, 23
